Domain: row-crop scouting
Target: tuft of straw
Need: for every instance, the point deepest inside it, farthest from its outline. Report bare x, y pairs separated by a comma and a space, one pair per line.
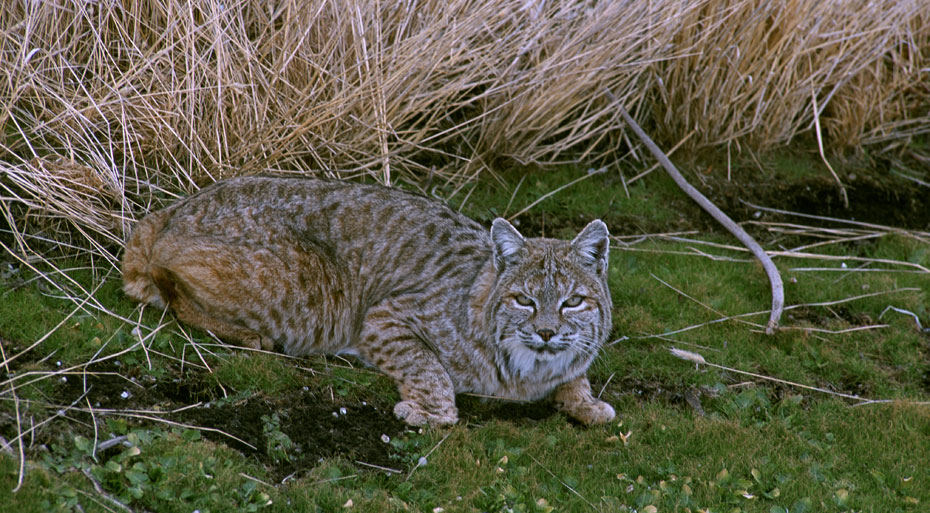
687, 355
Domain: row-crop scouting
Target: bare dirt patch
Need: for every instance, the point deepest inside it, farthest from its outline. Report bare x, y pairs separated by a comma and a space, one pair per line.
315, 425
874, 196
318, 427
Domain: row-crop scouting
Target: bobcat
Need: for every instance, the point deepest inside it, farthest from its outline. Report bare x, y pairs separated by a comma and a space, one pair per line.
404, 283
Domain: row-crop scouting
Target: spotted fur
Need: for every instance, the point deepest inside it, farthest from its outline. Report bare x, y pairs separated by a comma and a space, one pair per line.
408, 285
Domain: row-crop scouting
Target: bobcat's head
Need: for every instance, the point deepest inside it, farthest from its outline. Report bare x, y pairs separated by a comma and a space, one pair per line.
550, 306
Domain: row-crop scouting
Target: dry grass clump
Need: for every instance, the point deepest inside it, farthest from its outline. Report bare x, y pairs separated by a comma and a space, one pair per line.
762, 71
113, 108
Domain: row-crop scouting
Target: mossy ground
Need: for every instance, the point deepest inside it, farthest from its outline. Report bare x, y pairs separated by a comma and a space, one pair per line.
317, 434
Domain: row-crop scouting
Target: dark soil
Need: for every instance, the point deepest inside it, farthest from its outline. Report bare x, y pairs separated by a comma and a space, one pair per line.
816, 317
889, 201
318, 426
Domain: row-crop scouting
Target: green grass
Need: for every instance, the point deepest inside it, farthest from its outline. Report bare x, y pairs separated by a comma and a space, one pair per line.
754, 445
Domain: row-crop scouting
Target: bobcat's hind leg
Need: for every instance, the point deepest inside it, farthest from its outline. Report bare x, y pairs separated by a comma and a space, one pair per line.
176, 294
426, 390
575, 399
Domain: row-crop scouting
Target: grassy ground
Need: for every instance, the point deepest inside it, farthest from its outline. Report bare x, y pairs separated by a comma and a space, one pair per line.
317, 435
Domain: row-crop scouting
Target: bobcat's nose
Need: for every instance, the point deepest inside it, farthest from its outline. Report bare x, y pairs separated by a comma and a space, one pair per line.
545, 334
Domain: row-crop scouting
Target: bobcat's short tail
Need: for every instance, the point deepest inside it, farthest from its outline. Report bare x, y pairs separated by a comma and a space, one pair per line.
138, 279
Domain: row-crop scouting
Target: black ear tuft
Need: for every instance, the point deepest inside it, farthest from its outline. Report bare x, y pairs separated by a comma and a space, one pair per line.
592, 246
508, 243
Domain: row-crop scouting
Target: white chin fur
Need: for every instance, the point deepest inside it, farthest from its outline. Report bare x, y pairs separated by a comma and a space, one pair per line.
525, 362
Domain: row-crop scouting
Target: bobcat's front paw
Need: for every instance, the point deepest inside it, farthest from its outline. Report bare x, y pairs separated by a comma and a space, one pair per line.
574, 399
415, 415
590, 412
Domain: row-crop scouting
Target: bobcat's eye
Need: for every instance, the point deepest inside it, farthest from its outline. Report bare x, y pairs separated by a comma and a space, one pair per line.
573, 301
523, 300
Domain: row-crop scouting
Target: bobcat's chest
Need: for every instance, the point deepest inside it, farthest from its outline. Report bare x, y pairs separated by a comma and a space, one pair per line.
518, 378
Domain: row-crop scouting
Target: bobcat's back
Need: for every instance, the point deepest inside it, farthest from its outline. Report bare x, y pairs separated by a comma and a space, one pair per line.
301, 260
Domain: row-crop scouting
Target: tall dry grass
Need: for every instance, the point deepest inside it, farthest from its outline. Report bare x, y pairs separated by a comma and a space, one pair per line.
759, 68
112, 108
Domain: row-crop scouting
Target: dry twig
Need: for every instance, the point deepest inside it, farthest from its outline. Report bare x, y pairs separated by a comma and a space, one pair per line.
778, 293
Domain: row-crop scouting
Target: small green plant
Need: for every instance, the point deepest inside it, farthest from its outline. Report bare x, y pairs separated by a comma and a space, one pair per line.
134, 469
278, 445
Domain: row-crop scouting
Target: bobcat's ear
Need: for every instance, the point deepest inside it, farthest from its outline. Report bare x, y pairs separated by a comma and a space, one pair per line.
592, 246
507, 243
